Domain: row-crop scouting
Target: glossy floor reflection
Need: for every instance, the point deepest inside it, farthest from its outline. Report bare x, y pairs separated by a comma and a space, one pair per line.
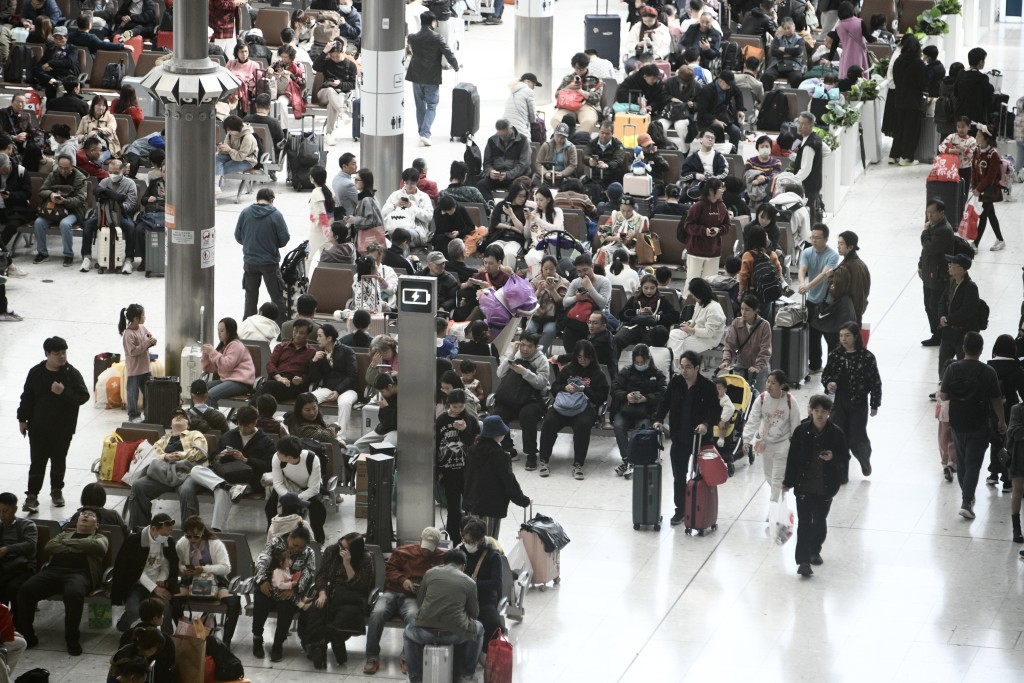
909, 590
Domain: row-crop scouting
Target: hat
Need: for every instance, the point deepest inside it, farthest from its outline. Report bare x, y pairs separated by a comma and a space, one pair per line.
179, 411
648, 11
436, 257
199, 387
292, 500
728, 77
161, 519
493, 426
644, 139
430, 538
562, 129
614, 191
531, 77
60, 31
254, 33
962, 260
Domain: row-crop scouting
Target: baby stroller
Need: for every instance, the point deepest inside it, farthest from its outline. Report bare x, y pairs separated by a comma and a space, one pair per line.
565, 248
740, 393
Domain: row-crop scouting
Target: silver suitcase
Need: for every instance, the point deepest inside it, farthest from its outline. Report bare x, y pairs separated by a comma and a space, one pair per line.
191, 360
369, 416
438, 661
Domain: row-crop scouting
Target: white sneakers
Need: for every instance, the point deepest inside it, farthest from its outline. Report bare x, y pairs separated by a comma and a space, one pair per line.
127, 269
329, 139
425, 141
998, 246
15, 271
86, 264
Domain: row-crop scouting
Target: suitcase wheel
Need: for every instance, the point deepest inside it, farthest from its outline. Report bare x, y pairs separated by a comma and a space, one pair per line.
543, 588
147, 274
102, 271
636, 527
732, 469
688, 531
657, 527
751, 458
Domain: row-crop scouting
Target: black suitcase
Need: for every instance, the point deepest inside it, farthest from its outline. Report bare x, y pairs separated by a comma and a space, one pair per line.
647, 496
644, 447
790, 347
357, 105
163, 396
953, 195
465, 111
601, 32
305, 150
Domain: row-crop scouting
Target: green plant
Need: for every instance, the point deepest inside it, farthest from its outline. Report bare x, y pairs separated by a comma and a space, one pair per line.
949, 7
930, 23
839, 116
830, 139
863, 90
881, 67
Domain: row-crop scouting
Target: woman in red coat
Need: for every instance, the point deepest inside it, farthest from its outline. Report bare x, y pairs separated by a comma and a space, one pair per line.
704, 224
986, 171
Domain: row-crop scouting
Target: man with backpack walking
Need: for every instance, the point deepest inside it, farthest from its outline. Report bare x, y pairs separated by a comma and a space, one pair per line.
262, 232
958, 310
972, 389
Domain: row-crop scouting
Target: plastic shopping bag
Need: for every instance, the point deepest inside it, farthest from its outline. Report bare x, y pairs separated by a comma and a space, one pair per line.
781, 521
969, 223
518, 560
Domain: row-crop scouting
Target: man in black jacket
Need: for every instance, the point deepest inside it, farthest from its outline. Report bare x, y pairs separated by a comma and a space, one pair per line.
689, 389
506, 157
48, 415
936, 242
146, 565
245, 453
18, 538
70, 101
760, 22
972, 93
15, 189
957, 309
817, 462
606, 157
720, 107
137, 16
427, 47
59, 61
447, 284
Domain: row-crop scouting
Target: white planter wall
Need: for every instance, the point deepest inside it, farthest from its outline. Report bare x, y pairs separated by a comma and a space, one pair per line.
954, 40
831, 186
871, 118
850, 165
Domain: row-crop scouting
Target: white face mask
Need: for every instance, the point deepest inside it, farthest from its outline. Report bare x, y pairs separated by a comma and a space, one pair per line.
115, 177
160, 540
345, 9
471, 547
763, 153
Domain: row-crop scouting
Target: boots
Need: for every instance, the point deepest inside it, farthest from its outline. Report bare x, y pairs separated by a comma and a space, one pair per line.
318, 653
234, 604
340, 651
31, 505
1017, 536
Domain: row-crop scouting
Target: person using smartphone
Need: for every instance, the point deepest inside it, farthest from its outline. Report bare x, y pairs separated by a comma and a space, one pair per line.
817, 460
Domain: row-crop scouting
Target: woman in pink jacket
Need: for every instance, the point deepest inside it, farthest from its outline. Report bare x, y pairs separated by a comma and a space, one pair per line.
230, 362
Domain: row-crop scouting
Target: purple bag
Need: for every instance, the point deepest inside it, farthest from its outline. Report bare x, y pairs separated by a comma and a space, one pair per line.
519, 294
494, 310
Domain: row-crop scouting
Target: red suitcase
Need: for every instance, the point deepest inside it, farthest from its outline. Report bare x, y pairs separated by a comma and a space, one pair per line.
700, 508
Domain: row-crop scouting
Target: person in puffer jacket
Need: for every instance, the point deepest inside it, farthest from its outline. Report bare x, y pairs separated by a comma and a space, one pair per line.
239, 152
774, 416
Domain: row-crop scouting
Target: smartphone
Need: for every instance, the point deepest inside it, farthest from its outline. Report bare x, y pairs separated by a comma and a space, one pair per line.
552, 280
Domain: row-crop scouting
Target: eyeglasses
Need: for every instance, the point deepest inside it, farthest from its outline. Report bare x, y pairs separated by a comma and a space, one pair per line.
194, 537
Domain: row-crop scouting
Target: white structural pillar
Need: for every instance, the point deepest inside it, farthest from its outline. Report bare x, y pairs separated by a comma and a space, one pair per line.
382, 103
535, 30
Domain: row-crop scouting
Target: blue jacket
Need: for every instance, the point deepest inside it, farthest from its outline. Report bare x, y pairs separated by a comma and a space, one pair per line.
50, 9
262, 232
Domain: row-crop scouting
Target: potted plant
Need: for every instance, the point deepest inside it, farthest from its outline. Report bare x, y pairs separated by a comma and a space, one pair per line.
952, 13
949, 7
881, 67
864, 90
840, 116
931, 23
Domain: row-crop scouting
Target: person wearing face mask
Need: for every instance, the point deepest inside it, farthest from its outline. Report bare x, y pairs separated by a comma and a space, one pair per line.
759, 172
636, 393
146, 566
483, 565
117, 197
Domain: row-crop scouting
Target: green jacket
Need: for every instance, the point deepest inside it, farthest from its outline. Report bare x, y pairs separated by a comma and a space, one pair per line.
93, 547
75, 202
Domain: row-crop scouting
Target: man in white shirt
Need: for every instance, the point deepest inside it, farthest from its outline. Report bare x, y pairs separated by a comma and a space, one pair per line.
296, 470
599, 67
344, 188
409, 208
146, 566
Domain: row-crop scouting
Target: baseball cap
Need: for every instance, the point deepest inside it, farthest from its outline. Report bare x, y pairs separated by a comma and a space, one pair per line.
962, 260
199, 387
430, 538
60, 31
531, 77
644, 139
436, 257
562, 129
161, 519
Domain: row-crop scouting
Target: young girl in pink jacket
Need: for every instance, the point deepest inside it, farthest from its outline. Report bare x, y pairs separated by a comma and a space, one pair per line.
230, 362
137, 342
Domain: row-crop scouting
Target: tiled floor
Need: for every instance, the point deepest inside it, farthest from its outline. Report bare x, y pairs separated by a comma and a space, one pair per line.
910, 591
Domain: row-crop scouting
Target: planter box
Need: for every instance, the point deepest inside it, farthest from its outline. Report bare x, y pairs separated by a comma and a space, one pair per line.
871, 120
831, 186
970, 24
954, 40
986, 13
850, 165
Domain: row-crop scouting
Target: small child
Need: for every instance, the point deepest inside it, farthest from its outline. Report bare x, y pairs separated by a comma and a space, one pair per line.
282, 578
947, 447
266, 406
137, 342
728, 409
467, 372
447, 346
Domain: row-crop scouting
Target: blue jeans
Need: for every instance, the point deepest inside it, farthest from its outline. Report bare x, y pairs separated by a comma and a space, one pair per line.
66, 226
136, 383
499, 7
225, 164
426, 96
467, 649
970, 456
223, 389
388, 605
546, 330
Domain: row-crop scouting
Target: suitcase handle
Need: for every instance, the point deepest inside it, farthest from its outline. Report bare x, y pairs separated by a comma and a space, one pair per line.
202, 324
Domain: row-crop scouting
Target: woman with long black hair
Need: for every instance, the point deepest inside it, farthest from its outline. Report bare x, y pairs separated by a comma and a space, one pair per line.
910, 82
985, 174
230, 362
851, 374
343, 585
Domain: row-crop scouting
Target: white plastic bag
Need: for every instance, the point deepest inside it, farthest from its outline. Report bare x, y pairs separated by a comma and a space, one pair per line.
518, 560
144, 455
781, 521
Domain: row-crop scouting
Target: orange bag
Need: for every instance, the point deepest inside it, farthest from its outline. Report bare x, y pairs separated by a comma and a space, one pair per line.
473, 240
114, 392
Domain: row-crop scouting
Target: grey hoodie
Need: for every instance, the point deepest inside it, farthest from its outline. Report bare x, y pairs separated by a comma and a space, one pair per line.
538, 375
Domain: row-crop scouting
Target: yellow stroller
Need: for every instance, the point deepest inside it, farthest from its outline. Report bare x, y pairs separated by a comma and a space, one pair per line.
740, 393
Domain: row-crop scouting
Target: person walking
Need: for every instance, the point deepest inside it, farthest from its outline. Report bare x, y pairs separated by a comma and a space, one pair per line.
48, 416
936, 242
818, 457
816, 262
427, 47
986, 173
852, 376
957, 309
490, 484
971, 388
262, 232
774, 416
691, 404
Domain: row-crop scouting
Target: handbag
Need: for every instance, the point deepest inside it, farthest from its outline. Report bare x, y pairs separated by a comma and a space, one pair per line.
832, 315
107, 456
499, 659
968, 228
203, 586
53, 212
713, 469
123, 455
234, 471
570, 404
580, 311
570, 100
791, 315
648, 248
368, 236
189, 657
945, 169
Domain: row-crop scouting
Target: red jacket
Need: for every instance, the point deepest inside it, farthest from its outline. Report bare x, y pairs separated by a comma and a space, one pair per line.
409, 562
289, 361
222, 18
95, 170
428, 186
6, 624
986, 172
704, 215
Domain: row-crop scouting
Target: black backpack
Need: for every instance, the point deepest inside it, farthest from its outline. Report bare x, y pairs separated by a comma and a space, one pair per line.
473, 158
764, 281
962, 246
113, 75
320, 451
945, 111
774, 111
20, 63
981, 315
34, 676
731, 56
293, 267
226, 666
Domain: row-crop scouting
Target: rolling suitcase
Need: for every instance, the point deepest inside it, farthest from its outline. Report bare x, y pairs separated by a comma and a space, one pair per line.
644, 447
110, 249
647, 496
438, 663
305, 150
953, 195
465, 111
357, 105
156, 253
789, 352
162, 398
927, 141
601, 32
191, 359
700, 506
628, 128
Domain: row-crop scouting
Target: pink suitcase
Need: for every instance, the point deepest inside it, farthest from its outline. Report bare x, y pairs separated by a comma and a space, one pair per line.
546, 566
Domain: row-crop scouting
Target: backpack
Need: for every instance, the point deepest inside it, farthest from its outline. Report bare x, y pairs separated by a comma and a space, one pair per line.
259, 150
18, 69
258, 49
326, 28
764, 281
945, 112
962, 246
34, 676
226, 666
320, 451
731, 56
473, 158
774, 111
113, 75
981, 315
